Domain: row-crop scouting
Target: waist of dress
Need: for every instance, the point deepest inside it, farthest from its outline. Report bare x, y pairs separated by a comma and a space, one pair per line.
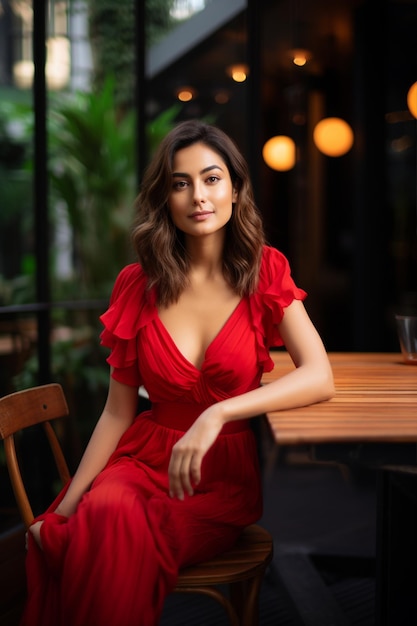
181, 415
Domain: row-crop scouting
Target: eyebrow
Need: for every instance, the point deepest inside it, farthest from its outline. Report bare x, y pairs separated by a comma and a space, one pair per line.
203, 171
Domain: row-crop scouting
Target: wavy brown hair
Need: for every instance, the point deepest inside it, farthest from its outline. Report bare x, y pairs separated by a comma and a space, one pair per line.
159, 244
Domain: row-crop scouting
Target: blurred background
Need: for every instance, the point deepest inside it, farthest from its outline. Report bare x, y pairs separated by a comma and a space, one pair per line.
321, 97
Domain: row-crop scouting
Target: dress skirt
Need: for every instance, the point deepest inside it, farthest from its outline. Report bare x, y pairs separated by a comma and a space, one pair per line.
115, 560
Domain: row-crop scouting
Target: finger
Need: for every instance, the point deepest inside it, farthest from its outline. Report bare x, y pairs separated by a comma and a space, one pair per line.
195, 468
180, 473
35, 530
185, 475
174, 468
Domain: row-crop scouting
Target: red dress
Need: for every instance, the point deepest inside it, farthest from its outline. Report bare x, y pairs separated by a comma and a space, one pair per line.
114, 561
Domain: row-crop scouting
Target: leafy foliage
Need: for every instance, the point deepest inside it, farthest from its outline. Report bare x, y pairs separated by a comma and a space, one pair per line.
158, 20
93, 174
112, 37
92, 170
16, 204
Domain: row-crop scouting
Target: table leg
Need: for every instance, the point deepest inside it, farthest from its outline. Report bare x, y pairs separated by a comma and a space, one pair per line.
396, 582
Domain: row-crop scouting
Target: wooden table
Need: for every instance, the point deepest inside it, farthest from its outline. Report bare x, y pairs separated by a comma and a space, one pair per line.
375, 404
376, 401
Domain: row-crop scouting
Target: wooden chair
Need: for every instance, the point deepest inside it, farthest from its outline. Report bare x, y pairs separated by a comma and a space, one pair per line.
240, 569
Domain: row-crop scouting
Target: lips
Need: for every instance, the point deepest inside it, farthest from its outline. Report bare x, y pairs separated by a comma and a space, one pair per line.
198, 214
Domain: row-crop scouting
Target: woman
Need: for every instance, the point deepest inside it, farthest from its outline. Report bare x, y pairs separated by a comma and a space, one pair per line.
192, 321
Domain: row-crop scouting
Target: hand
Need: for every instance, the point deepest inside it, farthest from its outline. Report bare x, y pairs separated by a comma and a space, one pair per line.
184, 469
35, 529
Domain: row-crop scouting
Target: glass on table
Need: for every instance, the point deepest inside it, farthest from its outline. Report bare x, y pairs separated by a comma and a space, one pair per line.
407, 335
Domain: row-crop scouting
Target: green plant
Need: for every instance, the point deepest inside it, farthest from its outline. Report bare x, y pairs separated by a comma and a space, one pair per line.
16, 205
92, 169
158, 20
93, 175
112, 38
160, 126
76, 363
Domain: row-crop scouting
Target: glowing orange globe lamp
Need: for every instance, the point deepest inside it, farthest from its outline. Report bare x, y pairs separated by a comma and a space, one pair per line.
279, 153
412, 99
333, 136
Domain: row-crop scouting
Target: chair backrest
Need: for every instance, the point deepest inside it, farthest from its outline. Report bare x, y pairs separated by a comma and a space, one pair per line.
23, 409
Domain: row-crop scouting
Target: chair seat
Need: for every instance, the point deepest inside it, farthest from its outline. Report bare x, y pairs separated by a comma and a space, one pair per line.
247, 559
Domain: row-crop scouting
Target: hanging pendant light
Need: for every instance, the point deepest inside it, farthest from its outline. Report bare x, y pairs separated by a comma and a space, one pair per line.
279, 153
333, 136
412, 99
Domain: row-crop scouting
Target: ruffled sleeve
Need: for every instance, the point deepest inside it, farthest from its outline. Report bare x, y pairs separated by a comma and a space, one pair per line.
276, 290
131, 308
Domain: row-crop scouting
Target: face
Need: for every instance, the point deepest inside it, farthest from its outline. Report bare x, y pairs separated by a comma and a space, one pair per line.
201, 197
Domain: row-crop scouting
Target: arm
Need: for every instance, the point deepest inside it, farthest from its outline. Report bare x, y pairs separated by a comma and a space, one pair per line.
118, 414
311, 381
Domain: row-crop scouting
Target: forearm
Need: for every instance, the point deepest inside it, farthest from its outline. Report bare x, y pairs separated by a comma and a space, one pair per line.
304, 385
102, 444
311, 381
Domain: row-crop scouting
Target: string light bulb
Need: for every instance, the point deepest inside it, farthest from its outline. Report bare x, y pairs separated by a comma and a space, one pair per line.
300, 56
185, 94
238, 72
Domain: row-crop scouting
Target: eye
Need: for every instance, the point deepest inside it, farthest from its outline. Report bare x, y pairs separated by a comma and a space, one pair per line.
179, 184
213, 179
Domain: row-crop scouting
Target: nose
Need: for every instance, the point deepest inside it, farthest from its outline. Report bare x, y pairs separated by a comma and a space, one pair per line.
198, 195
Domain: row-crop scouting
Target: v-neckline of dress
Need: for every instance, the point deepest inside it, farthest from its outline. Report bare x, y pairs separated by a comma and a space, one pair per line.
210, 345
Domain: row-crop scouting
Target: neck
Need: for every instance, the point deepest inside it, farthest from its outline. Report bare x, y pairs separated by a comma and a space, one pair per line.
206, 254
